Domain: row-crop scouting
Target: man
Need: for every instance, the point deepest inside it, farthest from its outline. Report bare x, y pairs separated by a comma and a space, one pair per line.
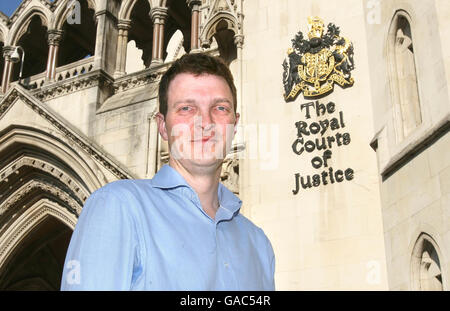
182, 229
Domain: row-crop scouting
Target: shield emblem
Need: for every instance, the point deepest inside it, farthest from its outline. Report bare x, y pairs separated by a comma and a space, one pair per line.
318, 67
313, 65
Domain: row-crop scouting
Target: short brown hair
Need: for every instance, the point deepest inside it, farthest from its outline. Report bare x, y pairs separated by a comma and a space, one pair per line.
196, 64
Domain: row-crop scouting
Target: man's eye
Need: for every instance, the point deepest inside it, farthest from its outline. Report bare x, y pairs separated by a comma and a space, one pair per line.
222, 108
185, 108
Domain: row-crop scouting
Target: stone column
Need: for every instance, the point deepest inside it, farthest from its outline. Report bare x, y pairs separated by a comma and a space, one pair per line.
239, 42
194, 5
54, 38
159, 16
105, 41
239, 139
122, 41
7, 69
152, 148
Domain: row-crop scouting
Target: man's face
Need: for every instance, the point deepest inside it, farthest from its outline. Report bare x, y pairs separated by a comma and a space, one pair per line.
200, 120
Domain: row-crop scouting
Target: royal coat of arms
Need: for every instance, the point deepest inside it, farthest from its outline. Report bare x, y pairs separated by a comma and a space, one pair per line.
313, 66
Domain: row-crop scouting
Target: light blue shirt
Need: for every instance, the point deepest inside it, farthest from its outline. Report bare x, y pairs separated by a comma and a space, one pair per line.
152, 234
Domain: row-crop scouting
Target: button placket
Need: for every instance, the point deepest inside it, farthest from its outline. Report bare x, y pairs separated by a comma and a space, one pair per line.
225, 258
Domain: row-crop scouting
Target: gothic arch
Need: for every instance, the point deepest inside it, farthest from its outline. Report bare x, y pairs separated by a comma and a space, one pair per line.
427, 264
77, 29
44, 182
62, 11
403, 75
127, 7
23, 227
209, 29
21, 24
69, 160
223, 27
140, 30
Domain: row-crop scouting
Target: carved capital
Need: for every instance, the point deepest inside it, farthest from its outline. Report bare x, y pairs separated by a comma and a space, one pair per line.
239, 40
7, 51
54, 36
158, 15
124, 24
194, 4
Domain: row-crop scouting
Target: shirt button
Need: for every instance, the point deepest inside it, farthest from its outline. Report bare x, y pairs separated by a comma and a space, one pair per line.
226, 264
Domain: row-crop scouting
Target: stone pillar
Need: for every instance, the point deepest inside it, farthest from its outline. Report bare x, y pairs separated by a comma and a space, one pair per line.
54, 38
152, 149
122, 41
239, 42
239, 139
159, 16
105, 41
7, 69
194, 5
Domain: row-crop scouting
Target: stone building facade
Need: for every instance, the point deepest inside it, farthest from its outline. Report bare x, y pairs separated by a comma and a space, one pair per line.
351, 186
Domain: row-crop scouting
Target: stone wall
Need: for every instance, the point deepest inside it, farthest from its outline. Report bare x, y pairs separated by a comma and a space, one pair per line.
414, 169
326, 236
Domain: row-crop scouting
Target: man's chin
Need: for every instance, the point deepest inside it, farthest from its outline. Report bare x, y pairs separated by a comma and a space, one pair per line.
205, 162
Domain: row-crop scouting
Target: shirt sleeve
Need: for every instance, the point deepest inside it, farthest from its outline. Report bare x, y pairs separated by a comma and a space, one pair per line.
103, 248
272, 270
272, 265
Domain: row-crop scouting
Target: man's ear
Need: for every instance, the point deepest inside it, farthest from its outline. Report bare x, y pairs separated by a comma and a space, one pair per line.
236, 122
161, 126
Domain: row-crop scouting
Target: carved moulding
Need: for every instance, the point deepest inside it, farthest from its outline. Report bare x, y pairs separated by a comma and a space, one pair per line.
147, 76
83, 143
26, 161
72, 85
27, 221
20, 193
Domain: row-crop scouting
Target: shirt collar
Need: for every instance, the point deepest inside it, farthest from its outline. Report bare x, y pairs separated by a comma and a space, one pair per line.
228, 200
167, 177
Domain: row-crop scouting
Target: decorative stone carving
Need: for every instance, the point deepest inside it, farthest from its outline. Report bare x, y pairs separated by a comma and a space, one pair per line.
7, 51
71, 86
10, 240
230, 174
215, 11
82, 143
49, 168
54, 36
193, 3
133, 81
31, 185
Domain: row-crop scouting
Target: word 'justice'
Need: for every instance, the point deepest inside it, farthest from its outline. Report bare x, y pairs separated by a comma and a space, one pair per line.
320, 136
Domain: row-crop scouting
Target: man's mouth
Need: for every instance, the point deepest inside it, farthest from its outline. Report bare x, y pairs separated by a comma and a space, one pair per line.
203, 139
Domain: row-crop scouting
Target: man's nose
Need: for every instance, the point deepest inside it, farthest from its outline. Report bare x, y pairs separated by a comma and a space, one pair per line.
205, 119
